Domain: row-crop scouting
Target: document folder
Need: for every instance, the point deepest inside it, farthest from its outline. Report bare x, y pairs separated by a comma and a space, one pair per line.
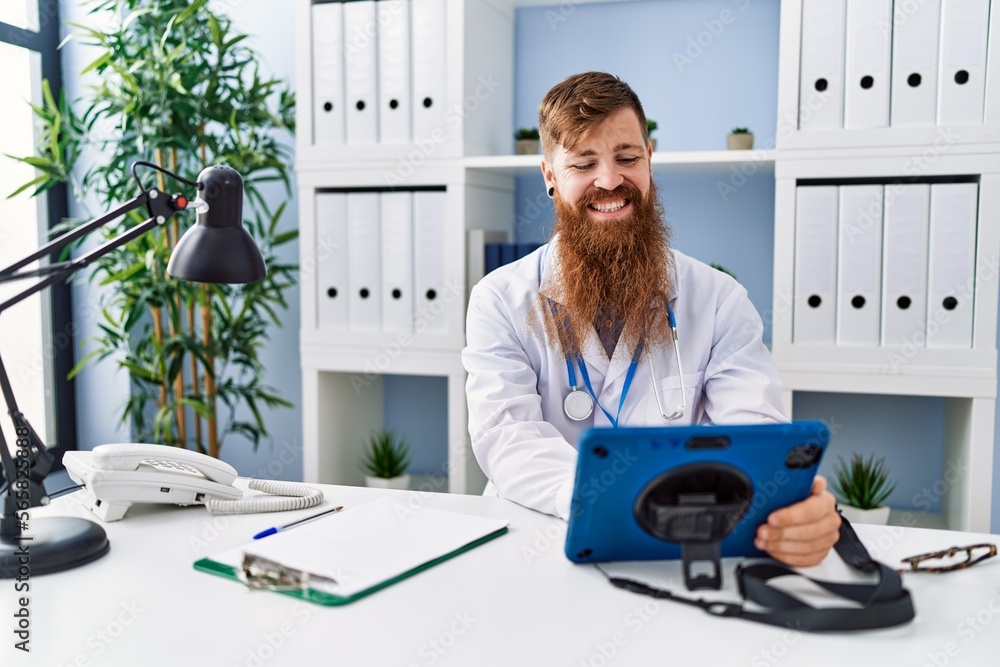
904, 265
962, 67
394, 71
914, 66
364, 271
328, 73
859, 265
428, 30
345, 556
952, 258
361, 63
869, 49
821, 82
331, 260
814, 309
396, 210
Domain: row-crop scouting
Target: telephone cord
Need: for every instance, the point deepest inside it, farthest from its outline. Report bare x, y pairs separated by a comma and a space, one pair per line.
301, 498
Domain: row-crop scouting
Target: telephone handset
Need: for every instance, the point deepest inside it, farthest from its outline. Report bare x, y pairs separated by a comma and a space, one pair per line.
117, 475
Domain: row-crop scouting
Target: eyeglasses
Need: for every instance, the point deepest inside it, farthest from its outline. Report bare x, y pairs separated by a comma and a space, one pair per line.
973, 554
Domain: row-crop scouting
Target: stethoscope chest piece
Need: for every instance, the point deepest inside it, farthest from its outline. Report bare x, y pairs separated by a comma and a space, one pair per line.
578, 405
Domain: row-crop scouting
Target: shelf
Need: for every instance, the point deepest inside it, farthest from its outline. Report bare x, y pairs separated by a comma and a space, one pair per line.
710, 162
889, 370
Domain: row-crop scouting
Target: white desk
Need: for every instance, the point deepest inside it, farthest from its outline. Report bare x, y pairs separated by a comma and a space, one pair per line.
515, 600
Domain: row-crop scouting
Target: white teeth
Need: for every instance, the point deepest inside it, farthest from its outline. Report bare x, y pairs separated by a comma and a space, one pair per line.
608, 207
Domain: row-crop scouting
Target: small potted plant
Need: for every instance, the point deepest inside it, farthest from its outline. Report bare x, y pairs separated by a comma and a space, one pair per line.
740, 139
385, 460
720, 267
526, 141
650, 126
861, 487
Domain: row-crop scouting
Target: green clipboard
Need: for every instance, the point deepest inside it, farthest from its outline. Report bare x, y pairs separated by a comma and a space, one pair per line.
380, 543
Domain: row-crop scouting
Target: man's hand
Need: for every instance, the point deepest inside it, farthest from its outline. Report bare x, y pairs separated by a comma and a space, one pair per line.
802, 534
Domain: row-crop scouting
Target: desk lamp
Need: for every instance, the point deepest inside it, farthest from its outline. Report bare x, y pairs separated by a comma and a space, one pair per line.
216, 249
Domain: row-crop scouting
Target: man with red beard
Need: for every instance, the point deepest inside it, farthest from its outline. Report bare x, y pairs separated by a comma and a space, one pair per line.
586, 316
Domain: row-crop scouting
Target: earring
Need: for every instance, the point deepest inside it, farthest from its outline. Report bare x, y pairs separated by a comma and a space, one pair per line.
552, 192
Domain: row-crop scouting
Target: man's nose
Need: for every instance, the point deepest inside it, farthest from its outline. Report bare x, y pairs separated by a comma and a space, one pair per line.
608, 176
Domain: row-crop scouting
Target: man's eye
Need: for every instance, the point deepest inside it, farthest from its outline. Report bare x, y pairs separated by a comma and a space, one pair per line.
628, 160
582, 167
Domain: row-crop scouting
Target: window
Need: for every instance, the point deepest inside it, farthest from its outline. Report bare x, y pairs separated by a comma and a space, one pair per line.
29, 34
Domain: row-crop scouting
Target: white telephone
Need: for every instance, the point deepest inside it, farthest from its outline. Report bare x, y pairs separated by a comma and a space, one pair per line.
116, 476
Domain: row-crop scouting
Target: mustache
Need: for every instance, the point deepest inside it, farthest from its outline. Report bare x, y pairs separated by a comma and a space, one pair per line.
623, 191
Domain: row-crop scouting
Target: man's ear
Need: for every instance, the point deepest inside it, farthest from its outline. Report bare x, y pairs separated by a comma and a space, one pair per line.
547, 174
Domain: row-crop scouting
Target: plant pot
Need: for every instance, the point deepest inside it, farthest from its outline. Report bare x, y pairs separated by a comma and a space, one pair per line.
739, 142
527, 146
878, 516
399, 482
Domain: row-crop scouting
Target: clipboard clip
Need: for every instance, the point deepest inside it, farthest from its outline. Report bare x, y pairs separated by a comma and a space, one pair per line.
263, 574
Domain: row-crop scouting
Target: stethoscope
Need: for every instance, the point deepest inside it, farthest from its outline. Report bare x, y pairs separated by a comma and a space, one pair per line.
579, 404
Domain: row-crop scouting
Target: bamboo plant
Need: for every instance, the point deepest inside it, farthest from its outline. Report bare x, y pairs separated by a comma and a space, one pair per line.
173, 83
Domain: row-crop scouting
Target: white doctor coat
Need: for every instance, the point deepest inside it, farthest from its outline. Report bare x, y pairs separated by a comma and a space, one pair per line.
517, 377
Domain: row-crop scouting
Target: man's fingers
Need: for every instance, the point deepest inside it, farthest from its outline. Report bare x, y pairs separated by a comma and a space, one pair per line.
811, 509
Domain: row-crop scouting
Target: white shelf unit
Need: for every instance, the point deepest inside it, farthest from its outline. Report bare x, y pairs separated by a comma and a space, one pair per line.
479, 175
965, 378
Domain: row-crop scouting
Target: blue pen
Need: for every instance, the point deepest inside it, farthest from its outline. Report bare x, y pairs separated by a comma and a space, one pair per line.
277, 529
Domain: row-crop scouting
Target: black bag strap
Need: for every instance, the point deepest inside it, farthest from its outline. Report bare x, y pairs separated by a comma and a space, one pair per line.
883, 604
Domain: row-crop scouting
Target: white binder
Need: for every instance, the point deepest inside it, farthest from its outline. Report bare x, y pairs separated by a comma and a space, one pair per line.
814, 303
394, 71
868, 53
328, 73
360, 61
951, 274
396, 211
962, 66
904, 265
331, 261
428, 21
429, 262
914, 65
859, 265
821, 74
365, 307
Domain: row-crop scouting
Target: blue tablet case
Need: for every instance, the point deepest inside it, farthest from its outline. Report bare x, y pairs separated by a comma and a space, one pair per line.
617, 468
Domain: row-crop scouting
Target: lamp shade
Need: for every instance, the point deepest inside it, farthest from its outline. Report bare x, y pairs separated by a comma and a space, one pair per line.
217, 248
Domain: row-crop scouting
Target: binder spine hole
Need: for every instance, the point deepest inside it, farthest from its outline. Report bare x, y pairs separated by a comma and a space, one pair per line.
360, 105
867, 82
393, 104
962, 77
328, 106
903, 302
858, 301
914, 80
397, 293
431, 294
950, 303
821, 85
814, 301
363, 293
428, 102
332, 292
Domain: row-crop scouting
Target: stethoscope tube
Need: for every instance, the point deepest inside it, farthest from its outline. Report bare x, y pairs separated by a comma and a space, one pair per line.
579, 405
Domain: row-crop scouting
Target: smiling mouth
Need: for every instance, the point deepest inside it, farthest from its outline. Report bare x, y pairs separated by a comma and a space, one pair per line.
609, 206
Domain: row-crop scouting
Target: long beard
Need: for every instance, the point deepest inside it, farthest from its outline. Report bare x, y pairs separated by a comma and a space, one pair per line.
611, 273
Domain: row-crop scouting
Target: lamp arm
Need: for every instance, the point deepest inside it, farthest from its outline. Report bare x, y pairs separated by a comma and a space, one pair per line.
161, 206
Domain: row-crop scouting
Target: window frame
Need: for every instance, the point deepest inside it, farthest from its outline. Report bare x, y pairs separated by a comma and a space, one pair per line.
46, 43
